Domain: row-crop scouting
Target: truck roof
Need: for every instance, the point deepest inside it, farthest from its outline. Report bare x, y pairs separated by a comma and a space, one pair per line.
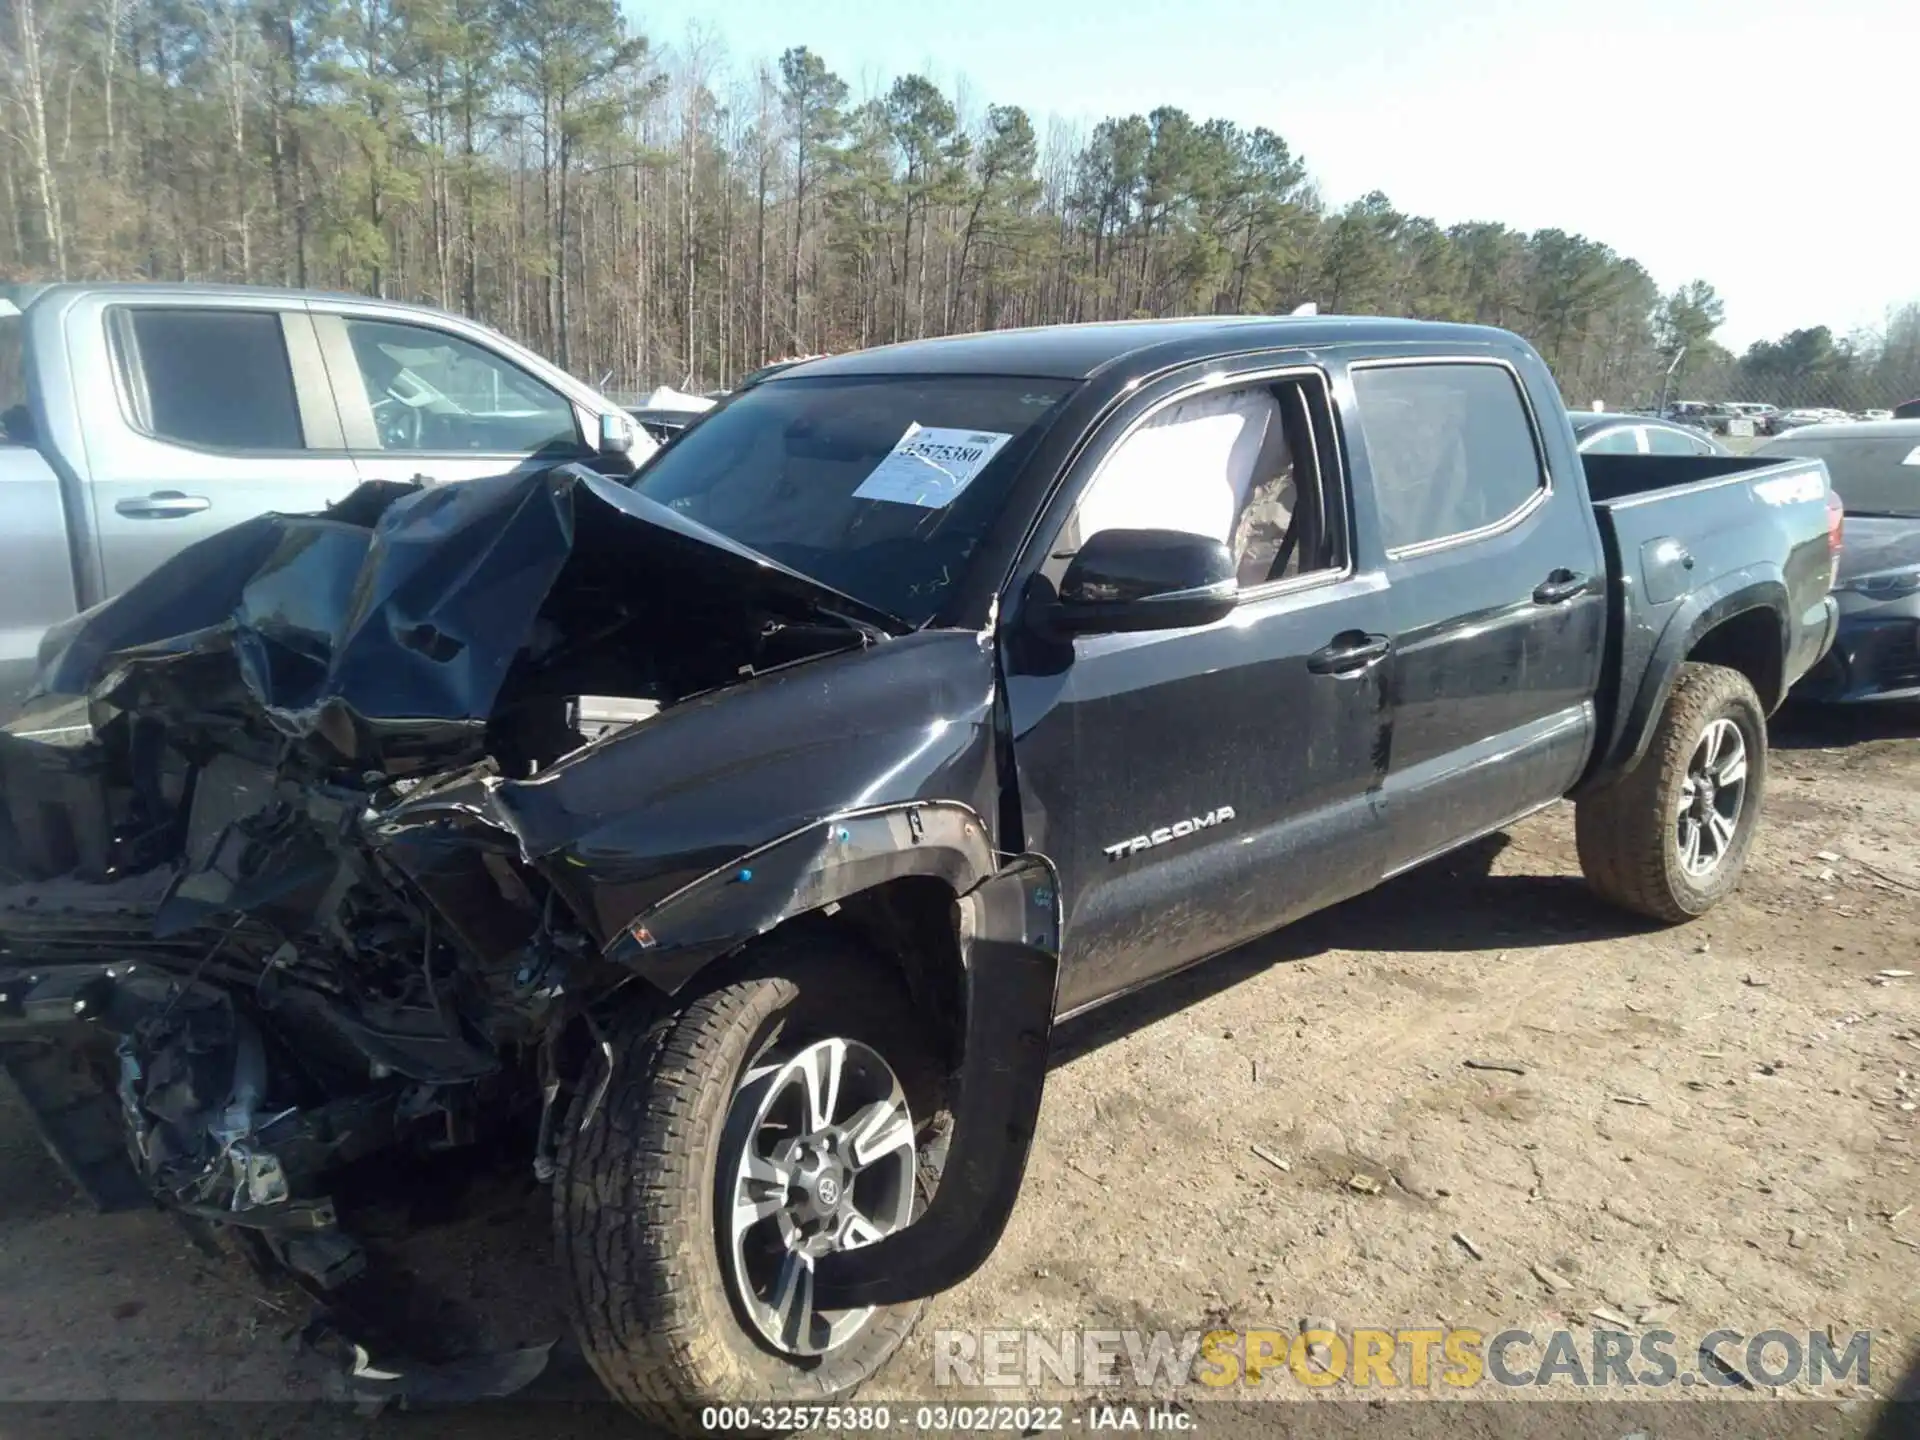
1846, 430
1079, 352
24, 296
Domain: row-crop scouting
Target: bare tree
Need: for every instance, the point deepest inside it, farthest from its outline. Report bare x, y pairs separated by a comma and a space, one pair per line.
27, 84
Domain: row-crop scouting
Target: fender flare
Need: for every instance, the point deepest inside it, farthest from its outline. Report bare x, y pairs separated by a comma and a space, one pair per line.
807, 869
1010, 919
1011, 930
1752, 588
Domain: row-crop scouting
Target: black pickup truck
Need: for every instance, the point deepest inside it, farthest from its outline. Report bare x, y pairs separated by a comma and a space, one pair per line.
996, 676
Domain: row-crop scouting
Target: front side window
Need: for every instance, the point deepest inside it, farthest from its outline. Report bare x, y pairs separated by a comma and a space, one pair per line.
216, 379
1236, 466
880, 486
1450, 445
432, 392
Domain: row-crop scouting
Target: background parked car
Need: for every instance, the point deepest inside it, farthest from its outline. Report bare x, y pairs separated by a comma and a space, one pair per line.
1745, 417
140, 418
1875, 469
1601, 433
1811, 415
666, 412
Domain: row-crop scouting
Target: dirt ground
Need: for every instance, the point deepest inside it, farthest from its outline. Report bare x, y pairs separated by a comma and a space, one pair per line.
1713, 1124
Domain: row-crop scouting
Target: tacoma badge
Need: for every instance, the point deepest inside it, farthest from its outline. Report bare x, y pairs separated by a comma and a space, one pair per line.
1179, 830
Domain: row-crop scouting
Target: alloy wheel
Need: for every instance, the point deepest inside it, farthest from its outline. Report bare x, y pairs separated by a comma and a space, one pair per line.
822, 1158
1711, 797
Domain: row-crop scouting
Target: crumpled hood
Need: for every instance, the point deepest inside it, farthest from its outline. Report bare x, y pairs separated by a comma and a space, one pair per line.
400, 614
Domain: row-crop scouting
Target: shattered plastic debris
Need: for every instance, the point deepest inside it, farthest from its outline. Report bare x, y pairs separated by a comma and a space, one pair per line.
459, 1382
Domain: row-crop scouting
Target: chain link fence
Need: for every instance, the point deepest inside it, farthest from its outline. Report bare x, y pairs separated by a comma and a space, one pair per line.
1737, 411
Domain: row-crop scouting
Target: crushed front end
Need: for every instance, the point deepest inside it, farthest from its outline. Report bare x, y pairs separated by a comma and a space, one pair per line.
260, 915
271, 995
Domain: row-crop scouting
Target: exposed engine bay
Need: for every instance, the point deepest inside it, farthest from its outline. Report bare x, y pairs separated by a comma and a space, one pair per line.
289, 897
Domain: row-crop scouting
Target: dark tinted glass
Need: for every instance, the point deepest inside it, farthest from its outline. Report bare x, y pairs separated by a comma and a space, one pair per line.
1450, 447
217, 378
1873, 475
778, 469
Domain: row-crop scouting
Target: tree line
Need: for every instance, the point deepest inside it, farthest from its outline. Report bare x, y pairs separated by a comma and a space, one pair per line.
643, 216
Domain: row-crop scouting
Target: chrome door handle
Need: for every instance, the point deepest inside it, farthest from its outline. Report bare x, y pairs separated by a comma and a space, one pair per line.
1559, 587
164, 505
1348, 653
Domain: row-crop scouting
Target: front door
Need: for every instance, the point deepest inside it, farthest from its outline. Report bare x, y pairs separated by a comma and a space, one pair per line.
1198, 787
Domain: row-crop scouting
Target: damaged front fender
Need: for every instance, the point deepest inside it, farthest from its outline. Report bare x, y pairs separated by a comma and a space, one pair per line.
805, 871
749, 778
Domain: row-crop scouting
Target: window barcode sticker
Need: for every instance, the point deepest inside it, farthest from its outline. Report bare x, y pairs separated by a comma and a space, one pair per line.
930, 466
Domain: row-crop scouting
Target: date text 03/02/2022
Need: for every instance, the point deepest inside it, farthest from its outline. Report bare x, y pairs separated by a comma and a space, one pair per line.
945, 1419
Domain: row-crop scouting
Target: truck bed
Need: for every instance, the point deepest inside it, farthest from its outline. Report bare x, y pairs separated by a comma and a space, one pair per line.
1680, 531
1613, 478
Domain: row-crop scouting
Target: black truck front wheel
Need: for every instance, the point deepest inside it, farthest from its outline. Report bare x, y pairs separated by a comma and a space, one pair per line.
1669, 839
765, 1124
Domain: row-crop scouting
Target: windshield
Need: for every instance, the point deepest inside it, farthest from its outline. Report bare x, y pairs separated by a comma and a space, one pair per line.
879, 486
1872, 474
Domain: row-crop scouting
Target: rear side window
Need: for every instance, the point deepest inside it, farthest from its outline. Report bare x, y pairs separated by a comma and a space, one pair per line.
1672, 442
1451, 449
1624, 441
1872, 474
218, 379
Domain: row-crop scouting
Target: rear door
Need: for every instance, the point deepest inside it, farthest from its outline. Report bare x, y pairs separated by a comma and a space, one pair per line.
224, 413
419, 401
33, 526
1497, 583
1198, 787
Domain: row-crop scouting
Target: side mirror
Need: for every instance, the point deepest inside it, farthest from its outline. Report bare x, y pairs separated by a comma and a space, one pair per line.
616, 434
1145, 580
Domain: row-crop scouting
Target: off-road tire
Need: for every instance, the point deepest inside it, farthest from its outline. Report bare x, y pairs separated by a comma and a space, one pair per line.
1625, 831
634, 1194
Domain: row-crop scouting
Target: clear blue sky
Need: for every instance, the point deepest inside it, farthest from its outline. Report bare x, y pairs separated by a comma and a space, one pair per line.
1769, 146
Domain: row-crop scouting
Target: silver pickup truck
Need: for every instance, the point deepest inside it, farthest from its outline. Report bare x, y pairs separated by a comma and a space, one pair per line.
138, 419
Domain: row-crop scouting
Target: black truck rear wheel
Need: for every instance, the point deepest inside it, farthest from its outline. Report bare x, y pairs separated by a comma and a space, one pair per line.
761, 1125
1669, 839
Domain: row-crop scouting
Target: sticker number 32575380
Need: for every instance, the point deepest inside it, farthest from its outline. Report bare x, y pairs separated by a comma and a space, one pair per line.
929, 466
